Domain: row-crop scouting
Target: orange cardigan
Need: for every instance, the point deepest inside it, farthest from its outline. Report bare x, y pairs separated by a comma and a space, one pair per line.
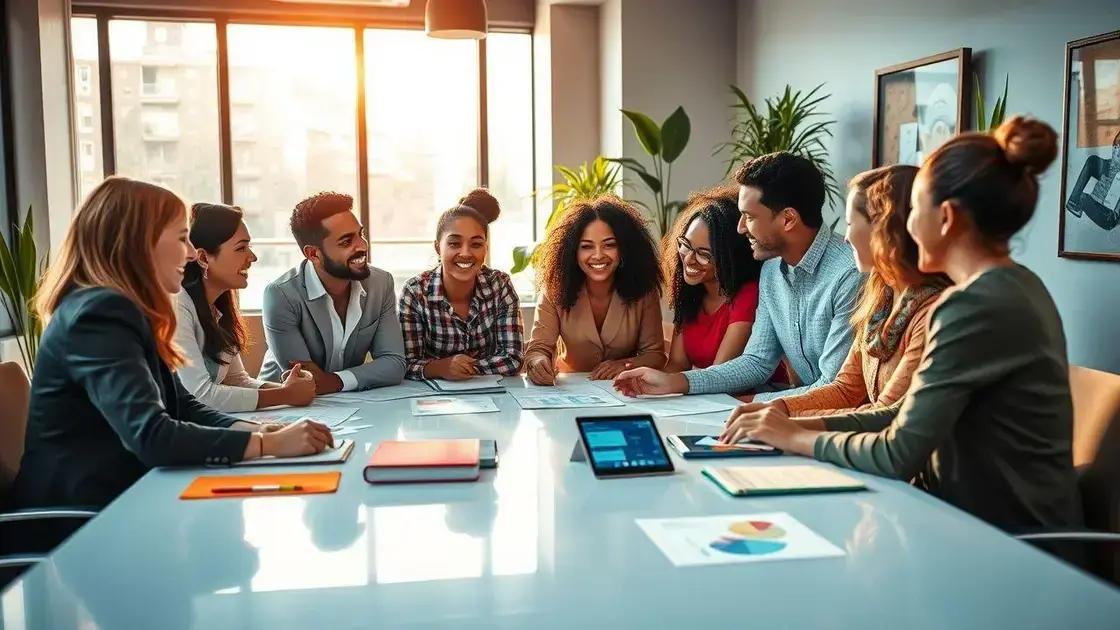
573, 342
865, 382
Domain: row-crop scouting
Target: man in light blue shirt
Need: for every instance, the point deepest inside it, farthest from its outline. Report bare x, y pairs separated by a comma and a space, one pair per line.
806, 292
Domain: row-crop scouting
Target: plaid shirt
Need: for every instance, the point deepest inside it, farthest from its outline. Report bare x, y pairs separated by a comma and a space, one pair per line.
433, 330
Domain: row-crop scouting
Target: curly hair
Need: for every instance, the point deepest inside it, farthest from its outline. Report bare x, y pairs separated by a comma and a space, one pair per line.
558, 273
882, 196
309, 214
731, 251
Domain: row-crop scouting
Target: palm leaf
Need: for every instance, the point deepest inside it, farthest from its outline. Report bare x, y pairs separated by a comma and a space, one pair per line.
791, 122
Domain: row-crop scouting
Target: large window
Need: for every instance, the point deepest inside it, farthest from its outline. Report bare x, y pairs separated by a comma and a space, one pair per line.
291, 96
6, 327
293, 93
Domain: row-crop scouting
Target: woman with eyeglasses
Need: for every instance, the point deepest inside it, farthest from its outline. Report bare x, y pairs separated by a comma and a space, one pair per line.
712, 281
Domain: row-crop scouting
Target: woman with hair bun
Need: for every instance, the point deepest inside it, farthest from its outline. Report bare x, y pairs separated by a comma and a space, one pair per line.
987, 423
462, 318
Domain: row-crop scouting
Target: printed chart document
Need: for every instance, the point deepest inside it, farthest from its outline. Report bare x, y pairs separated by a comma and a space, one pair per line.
541, 398
445, 405
571, 391
704, 540
668, 405
328, 415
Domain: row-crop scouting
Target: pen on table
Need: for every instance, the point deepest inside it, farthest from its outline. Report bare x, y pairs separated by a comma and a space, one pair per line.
264, 488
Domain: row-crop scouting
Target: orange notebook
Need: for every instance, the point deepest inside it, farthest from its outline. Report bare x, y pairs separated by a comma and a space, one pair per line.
228, 486
423, 460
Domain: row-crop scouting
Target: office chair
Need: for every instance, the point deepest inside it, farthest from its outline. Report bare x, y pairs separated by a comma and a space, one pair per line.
15, 392
1096, 455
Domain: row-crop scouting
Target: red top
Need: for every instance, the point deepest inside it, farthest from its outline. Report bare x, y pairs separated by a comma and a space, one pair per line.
703, 335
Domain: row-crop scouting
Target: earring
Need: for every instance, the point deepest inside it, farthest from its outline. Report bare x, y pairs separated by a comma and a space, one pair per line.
205, 273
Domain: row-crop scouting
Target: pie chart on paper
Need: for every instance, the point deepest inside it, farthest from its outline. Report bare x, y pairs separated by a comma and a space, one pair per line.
745, 547
757, 529
753, 538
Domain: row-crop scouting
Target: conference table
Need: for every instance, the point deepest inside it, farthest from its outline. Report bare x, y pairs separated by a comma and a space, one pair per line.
537, 543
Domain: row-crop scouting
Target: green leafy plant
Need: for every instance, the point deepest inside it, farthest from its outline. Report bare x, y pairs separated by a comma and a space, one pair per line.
998, 110
791, 123
587, 181
664, 144
20, 272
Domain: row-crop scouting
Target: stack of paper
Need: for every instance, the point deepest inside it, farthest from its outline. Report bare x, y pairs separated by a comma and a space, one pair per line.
482, 384
327, 414
336, 455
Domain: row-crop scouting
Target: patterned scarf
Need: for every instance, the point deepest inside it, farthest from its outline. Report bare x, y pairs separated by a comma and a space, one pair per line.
882, 344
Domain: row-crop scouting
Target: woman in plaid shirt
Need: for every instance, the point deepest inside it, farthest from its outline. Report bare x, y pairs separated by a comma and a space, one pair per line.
462, 318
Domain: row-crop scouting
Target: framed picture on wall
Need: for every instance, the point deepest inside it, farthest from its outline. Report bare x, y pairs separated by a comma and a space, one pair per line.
919, 105
1090, 201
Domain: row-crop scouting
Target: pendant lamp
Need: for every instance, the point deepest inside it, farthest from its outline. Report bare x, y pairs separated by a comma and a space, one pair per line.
455, 19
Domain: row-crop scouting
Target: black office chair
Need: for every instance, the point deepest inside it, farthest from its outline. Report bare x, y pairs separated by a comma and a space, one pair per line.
15, 392
1096, 454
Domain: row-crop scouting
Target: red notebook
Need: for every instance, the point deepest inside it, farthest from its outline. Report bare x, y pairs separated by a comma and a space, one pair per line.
423, 460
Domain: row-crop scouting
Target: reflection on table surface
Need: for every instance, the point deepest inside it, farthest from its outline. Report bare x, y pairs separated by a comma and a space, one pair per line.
538, 542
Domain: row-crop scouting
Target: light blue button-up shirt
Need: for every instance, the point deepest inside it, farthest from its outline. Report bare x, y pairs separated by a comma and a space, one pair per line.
804, 314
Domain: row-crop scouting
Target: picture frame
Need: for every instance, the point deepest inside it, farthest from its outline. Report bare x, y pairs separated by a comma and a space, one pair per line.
1089, 205
918, 105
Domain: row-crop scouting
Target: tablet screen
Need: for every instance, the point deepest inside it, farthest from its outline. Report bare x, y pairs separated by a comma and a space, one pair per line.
623, 445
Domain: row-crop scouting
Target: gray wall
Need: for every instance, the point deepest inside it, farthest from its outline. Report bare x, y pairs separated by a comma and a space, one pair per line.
806, 42
677, 53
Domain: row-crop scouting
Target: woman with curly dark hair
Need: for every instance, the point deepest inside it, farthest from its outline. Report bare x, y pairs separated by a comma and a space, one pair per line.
600, 287
712, 281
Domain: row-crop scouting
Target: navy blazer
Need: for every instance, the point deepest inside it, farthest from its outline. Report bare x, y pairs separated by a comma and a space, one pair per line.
105, 408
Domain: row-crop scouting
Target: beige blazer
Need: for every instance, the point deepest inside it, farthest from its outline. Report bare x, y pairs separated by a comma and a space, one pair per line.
571, 340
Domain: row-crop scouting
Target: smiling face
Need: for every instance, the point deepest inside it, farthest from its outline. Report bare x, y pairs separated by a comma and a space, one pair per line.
229, 268
344, 252
598, 255
858, 233
172, 252
462, 249
760, 224
695, 251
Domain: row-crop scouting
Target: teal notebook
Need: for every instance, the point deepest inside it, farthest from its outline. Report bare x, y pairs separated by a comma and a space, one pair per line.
745, 481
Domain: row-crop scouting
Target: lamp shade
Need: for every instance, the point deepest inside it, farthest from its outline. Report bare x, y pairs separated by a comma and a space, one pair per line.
455, 19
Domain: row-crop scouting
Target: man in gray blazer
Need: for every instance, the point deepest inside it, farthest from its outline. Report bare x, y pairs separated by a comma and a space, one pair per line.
333, 309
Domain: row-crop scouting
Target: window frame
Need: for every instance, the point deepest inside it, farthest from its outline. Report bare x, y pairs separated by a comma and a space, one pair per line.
8, 211
221, 20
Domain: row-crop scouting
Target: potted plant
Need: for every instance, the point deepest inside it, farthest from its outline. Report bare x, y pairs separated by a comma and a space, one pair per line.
664, 143
792, 122
20, 271
984, 123
587, 181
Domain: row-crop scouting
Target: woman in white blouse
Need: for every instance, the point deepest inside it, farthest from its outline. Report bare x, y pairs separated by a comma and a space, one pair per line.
210, 330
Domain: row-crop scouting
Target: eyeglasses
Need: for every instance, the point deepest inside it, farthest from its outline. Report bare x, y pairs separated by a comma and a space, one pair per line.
684, 248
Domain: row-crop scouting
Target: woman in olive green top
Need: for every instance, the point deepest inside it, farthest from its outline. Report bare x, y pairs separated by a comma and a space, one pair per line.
987, 423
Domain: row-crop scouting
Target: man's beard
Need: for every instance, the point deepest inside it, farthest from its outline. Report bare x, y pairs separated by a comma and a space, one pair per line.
342, 270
